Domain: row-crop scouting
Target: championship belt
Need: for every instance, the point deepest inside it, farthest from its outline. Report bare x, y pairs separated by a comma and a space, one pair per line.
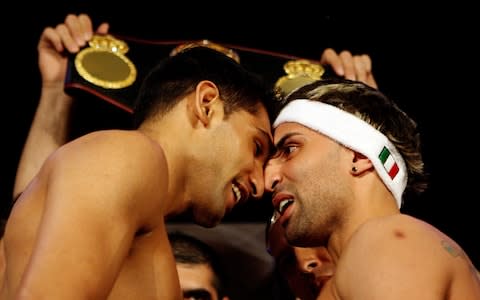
112, 68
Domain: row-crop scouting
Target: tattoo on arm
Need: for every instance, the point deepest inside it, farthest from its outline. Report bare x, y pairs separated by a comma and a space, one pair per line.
454, 251
457, 252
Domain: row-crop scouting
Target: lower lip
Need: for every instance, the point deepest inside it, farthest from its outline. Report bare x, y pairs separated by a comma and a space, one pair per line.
231, 202
285, 216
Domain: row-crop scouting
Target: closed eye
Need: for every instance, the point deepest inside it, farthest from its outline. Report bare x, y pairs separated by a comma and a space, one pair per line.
263, 154
258, 149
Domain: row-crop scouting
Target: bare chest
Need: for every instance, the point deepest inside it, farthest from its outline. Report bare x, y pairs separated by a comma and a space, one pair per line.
149, 272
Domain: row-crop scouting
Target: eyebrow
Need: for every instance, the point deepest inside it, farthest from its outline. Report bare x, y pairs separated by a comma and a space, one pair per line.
271, 146
281, 142
197, 293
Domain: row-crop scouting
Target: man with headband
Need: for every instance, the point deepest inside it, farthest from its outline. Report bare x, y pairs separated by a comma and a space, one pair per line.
346, 156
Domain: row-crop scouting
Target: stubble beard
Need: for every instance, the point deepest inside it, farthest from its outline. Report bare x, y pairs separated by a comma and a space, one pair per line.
302, 229
314, 217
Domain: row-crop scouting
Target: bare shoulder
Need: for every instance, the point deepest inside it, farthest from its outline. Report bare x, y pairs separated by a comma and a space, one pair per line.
127, 140
400, 248
119, 147
405, 236
117, 165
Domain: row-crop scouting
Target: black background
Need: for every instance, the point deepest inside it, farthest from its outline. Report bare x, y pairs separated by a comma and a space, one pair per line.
421, 58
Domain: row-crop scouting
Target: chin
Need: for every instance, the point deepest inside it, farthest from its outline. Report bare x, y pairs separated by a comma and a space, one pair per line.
208, 224
207, 219
297, 237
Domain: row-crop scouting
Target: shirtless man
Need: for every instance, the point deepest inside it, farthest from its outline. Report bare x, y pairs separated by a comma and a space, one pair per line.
345, 156
90, 225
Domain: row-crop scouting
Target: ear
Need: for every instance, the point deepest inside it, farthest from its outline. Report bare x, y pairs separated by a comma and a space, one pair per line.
203, 101
360, 163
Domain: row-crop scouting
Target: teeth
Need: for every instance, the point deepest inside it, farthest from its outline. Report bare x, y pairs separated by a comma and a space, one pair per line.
274, 218
283, 205
236, 191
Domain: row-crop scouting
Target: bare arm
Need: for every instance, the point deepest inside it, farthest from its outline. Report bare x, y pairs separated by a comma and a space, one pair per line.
101, 192
353, 67
404, 259
49, 127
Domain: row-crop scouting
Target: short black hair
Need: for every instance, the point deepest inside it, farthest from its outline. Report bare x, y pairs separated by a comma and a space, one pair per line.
175, 76
190, 250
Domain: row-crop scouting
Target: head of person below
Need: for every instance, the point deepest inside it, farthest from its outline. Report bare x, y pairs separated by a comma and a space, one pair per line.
304, 269
346, 154
91, 224
201, 275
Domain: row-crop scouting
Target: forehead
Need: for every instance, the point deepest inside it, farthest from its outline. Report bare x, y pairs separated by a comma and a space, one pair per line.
195, 276
258, 120
261, 117
288, 128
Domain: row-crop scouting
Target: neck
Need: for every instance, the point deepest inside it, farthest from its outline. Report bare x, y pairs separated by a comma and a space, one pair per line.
371, 200
173, 139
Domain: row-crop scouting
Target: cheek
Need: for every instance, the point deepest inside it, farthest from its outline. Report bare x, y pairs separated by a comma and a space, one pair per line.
238, 148
228, 154
313, 165
300, 166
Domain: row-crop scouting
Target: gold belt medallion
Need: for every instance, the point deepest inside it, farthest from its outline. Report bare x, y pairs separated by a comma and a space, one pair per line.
104, 63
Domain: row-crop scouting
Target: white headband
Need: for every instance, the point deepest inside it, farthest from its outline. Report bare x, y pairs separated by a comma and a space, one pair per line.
354, 133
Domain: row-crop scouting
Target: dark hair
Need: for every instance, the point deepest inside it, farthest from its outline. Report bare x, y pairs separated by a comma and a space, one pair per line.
190, 250
376, 109
178, 75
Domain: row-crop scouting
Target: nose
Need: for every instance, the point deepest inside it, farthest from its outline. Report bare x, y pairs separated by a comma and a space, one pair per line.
272, 175
307, 261
256, 181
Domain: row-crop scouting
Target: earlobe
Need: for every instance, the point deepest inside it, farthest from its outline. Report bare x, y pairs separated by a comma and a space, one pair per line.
206, 95
360, 163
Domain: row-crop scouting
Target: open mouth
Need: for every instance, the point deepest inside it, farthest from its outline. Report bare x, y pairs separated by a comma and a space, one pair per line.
283, 205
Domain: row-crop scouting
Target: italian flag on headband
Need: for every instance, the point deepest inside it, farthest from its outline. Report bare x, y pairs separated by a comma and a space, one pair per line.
388, 162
